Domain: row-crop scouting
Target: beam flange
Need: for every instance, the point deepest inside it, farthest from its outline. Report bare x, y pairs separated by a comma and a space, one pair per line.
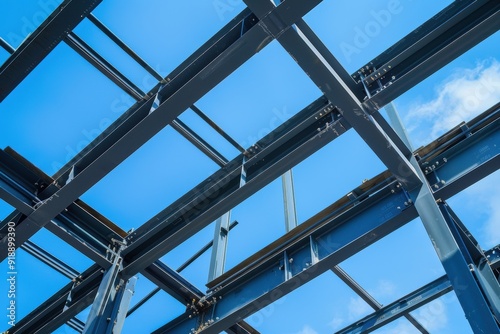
41, 42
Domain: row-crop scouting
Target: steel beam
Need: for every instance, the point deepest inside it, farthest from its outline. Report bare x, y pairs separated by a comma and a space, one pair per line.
83, 228
296, 258
400, 307
289, 201
479, 268
105, 67
218, 258
369, 299
249, 266
326, 76
63, 305
479, 304
41, 42
110, 306
50, 260
235, 44
440, 40
124, 46
483, 159
298, 138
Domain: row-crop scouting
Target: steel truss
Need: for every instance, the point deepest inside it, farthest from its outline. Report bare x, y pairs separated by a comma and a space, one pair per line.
416, 184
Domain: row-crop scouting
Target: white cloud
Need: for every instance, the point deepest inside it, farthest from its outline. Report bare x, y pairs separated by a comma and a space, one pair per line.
307, 330
483, 198
385, 288
460, 97
400, 327
433, 316
336, 322
357, 308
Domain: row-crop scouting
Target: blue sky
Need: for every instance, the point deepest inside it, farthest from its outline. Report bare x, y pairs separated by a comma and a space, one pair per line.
64, 103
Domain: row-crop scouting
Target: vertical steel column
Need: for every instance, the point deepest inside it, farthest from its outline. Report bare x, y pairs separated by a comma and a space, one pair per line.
111, 303
219, 247
289, 201
470, 295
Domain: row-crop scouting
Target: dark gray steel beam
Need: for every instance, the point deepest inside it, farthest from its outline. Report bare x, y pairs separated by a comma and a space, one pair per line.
199, 142
483, 158
76, 324
50, 260
446, 36
400, 307
124, 46
158, 273
109, 309
476, 287
214, 126
326, 76
41, 42
84, 50
312, 248
135, 92
448, 160
240, 40
304, 134
62, 306
104, 66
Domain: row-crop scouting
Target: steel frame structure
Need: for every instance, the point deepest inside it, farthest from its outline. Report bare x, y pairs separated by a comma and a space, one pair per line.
416, 183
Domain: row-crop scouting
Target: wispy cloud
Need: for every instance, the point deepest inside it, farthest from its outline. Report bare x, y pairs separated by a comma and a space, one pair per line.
460, 97
358, 308
307, 330
432, 316
483, 198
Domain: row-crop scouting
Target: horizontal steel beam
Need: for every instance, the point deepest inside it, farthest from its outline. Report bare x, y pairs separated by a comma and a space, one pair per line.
236, 43
83, 228
297, 139
102, 65
400, 307
326, 76
63, 305
293, 260
41, 42
440, 40
255, 282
